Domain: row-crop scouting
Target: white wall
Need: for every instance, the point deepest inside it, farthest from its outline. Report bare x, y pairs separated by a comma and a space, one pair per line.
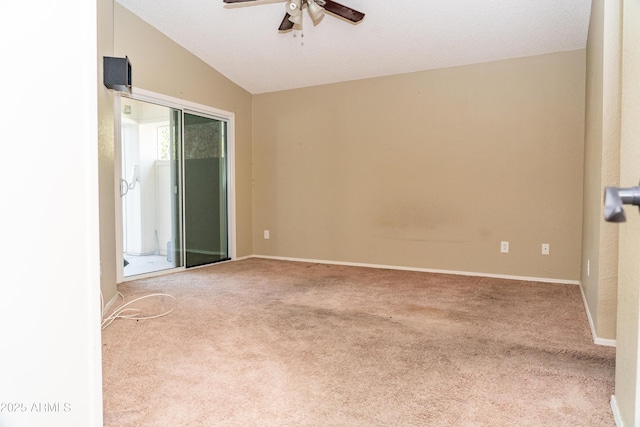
627, 394
50, 363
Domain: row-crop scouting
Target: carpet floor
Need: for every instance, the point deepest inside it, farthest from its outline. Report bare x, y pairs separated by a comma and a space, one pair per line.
275, 343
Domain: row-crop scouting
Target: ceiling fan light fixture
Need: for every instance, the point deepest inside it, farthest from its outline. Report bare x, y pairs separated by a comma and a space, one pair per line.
315, 11
294, 7
316, 8
296, 19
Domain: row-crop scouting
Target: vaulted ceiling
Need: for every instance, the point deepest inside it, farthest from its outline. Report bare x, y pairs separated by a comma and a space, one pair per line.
243, 43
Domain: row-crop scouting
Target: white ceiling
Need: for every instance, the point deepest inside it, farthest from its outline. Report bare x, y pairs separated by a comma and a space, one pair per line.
395, 37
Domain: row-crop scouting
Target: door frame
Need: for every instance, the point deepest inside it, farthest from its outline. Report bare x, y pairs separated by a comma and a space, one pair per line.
183, 105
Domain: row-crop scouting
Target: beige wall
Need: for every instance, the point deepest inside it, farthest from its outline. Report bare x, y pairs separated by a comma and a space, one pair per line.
168, 69
428, 170
599, 273
627, 393
108, 257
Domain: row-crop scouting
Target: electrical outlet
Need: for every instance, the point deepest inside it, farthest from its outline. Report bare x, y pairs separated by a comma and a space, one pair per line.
266, 234
504, 247
545, 249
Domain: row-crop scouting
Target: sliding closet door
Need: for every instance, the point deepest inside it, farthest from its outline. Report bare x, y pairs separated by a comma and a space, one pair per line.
205, 190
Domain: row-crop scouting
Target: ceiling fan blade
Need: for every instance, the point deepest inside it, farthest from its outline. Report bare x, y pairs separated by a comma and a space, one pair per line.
286, 25
237, 1
343, 11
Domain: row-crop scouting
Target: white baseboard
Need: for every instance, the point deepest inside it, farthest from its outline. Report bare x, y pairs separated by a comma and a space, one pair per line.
423, 270
596, 340
108, 305
616, 412
604, 342
244, 257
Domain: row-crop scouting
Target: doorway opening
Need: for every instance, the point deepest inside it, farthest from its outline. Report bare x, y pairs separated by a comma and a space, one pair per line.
174, 171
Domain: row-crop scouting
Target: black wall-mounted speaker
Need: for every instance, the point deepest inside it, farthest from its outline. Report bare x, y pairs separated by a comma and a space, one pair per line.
117, 73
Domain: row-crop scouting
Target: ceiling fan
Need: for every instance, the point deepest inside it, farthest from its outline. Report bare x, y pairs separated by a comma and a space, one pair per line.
316, 8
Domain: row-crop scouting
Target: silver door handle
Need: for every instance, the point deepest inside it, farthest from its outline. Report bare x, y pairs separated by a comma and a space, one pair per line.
615, 198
